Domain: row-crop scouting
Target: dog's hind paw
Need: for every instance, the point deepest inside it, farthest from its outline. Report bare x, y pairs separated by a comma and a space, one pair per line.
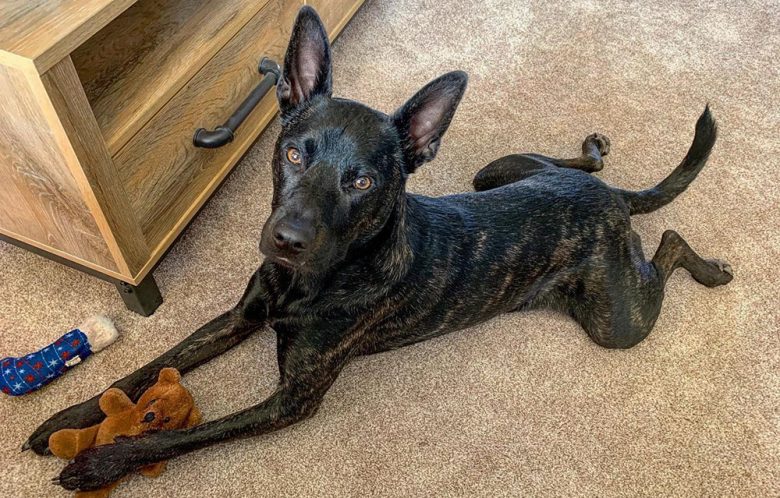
722, 266
600, 141
721, 275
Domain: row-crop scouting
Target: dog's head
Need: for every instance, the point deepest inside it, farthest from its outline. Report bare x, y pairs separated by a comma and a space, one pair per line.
340, 167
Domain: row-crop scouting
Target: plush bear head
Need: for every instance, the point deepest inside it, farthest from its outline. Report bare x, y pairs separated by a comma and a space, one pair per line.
165, 405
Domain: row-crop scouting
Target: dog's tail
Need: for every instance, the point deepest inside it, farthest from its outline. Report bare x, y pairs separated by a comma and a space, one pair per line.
662, 194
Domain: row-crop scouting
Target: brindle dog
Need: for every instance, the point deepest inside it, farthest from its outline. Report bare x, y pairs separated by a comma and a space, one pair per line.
355, 265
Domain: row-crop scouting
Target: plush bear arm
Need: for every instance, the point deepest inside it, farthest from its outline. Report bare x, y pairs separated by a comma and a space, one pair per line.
67, 443
114, 401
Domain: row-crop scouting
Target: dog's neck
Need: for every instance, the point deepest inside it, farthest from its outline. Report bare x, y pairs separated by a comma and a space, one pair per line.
389, 251
393, 249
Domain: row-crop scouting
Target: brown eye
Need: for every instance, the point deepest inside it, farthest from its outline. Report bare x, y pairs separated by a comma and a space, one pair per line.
294, 156
362, 183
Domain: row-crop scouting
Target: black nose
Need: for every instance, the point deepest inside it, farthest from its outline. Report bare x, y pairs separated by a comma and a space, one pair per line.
149, 417
293, 236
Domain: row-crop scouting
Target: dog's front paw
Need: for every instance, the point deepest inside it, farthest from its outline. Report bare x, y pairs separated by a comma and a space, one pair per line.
600, 141
98, 467
39, 440
77, 416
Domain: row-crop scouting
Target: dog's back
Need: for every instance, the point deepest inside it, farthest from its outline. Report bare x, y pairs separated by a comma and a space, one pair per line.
479, 254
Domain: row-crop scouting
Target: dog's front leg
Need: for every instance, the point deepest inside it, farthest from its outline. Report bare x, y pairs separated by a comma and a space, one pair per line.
296, 398
210, 340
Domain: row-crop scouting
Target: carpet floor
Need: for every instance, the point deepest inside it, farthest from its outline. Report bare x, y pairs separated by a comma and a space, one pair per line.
525, 404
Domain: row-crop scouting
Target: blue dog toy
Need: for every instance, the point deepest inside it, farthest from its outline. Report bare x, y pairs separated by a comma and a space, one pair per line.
28, 373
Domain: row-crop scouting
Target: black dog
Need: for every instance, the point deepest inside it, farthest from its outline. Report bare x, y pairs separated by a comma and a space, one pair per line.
355, 265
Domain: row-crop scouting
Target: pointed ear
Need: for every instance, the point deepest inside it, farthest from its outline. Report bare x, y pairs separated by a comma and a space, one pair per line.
422, 121
307, 66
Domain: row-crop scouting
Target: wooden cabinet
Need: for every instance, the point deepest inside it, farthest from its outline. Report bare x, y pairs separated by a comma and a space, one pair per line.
100, 102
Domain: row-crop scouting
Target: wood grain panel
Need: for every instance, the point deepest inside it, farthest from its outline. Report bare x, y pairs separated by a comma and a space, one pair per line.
335, 14
167, 178
95, 172
137, 63
40, 200
45, 31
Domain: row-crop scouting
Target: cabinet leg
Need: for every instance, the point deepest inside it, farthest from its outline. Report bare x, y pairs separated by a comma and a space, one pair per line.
143, 298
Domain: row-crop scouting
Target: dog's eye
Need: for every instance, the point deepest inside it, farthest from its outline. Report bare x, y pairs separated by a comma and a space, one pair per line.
294, 156
362, 183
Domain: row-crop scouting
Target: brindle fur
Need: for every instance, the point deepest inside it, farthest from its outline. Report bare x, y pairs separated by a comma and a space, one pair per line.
349, 273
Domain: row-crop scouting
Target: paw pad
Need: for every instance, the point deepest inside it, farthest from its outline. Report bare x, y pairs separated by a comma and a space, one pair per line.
602, 142
723, 266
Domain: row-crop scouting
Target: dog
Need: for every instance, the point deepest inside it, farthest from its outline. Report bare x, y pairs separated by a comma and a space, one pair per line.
355, 265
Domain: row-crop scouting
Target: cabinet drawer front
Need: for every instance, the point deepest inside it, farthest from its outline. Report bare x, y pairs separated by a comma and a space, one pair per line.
166, 177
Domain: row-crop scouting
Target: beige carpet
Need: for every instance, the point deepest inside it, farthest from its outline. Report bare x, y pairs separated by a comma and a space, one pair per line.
525, 404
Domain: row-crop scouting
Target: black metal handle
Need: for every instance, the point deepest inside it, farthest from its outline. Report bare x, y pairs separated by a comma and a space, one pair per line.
225, 133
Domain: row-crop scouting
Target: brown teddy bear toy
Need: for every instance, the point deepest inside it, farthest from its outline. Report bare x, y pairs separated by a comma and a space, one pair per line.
166, 405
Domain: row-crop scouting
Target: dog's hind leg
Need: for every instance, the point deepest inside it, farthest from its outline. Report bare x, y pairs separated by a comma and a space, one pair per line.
625, 321
516, 167
209, 341
506, 170
674, 252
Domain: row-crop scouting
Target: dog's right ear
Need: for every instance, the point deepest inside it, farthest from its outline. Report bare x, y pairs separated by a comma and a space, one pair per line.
307, 65
423, 119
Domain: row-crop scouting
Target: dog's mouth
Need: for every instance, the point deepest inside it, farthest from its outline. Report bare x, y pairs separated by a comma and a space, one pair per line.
288, 263
279, 258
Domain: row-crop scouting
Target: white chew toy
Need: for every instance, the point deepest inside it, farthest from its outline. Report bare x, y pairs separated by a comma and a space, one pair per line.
100, 331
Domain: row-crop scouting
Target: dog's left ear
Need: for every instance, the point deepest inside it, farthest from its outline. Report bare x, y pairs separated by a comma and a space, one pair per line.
422, 121
307, 65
